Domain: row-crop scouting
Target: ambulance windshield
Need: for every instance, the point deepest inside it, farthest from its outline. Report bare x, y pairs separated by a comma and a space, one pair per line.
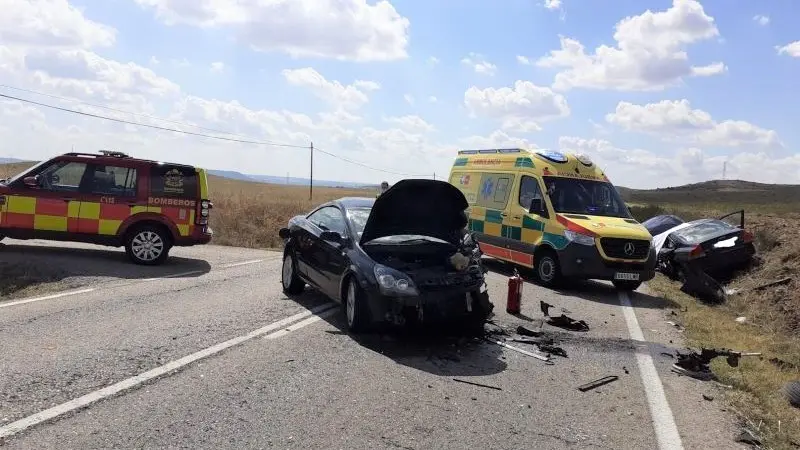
592, 197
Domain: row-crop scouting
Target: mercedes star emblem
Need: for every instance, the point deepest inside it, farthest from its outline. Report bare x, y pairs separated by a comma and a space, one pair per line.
629, 248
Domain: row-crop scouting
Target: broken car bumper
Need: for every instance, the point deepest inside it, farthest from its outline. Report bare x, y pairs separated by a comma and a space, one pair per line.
585, 262
443, 305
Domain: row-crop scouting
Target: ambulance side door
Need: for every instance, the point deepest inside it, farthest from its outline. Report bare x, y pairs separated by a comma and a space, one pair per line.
493, 198
109, 198
530, 222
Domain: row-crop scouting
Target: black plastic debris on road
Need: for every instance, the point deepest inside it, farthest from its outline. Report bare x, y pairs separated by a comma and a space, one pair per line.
568, 323
477, 384
597, 383
696, 365
523, 331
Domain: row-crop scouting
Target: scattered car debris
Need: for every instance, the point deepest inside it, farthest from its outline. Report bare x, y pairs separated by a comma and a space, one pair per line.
792, 392
741, 319
553, 350
781, 364
519, 350
597, 383
669, 355
477, 384
625, 369
747, 437
568, 323
545, 307
780, 282
696, 365
528, 332
708, 398
535, 341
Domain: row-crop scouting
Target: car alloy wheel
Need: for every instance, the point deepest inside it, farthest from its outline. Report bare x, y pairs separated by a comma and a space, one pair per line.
147, 246
288, 272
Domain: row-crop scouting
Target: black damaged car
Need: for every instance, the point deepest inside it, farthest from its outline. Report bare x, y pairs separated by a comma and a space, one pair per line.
402, 258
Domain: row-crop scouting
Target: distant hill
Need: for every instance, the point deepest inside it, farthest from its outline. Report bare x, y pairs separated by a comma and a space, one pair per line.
272, 179
9, 160
715, 191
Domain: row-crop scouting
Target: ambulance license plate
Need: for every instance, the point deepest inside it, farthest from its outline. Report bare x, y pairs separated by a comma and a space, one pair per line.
626, 276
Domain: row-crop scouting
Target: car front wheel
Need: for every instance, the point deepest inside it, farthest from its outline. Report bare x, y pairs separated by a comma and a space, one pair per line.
547, 267
148, 245
292, 284
355, 309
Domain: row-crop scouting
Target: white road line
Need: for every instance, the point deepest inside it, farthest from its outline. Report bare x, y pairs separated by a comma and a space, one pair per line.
81, 402
46, 297
667, 433
243, 263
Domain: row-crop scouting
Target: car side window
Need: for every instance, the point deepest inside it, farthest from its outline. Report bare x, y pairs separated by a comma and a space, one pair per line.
62, 176
329, 218
111, 180
529, 190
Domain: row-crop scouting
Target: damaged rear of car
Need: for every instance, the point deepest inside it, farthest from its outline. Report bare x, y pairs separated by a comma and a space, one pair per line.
402, 258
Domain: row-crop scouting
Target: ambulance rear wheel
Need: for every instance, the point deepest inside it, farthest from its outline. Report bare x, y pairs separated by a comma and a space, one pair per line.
148, 245
548, 269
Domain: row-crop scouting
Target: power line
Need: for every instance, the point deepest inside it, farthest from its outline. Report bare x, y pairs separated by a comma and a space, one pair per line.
156, 127
175, 130
94, 105
367, 166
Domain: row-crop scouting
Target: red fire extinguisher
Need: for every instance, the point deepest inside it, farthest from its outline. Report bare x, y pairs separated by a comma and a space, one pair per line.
514, 302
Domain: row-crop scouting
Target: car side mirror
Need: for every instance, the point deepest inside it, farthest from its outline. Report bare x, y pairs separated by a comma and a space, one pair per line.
284, 233
537, 206
332, 236
32, 182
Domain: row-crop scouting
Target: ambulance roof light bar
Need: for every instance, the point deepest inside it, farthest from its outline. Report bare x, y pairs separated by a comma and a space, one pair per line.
490, 151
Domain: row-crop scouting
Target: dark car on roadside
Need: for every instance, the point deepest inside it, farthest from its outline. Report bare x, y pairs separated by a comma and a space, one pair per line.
401, 258
714, 246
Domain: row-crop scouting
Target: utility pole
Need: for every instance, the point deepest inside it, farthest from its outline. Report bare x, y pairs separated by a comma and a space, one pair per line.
311, 177
724, 169
434, 176
287, 178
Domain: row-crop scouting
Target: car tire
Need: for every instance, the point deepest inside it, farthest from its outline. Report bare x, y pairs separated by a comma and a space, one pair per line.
292, 284
148, 245
626, 285
355, 308
547, 267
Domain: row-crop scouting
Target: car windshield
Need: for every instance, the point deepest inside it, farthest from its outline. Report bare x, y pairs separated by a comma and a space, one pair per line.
576, 196
703, 230
358, 219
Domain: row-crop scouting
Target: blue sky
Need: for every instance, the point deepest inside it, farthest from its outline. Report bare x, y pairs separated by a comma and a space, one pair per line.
690, 85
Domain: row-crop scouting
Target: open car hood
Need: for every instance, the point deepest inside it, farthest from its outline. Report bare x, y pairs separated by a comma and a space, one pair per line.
419, 207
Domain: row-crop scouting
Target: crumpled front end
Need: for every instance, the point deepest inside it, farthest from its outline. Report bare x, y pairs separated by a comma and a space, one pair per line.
431, 283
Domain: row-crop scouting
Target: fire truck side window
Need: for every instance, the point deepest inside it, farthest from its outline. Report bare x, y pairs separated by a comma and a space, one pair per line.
173, 181
63, 176
116, 181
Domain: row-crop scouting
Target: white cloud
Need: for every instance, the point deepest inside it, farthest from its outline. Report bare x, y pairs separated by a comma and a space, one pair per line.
524, 60
154, 61
180, 63
676, 119
645, 169
433, 60
761, 19
792, 49
552, 4
650, 52
709, 70
339, 95
497, 139
523, 103
217, 66
354, 30
411, 123
409, 99
433, 99
479, 64
50, 23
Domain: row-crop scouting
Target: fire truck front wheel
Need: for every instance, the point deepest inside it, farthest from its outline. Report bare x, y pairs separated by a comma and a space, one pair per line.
148, 245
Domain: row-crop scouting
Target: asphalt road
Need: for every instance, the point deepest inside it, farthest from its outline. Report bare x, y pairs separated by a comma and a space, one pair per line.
207, 352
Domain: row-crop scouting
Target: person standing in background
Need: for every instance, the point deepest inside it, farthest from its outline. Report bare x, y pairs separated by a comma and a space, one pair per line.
384, 188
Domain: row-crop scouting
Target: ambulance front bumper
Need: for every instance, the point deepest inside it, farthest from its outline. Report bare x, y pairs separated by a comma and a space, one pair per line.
585, 262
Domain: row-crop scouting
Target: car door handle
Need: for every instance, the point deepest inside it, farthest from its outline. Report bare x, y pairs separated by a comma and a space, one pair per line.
517, 217
503, 215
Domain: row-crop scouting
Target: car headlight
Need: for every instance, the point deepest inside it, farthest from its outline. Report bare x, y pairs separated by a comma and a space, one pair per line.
394, 282
578, 238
